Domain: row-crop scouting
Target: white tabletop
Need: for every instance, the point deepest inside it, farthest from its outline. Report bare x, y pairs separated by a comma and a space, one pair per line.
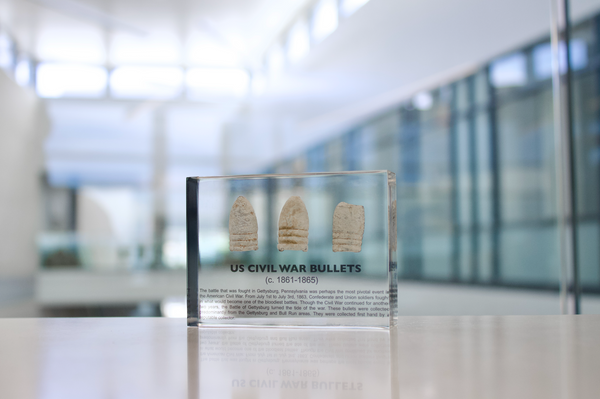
425, 357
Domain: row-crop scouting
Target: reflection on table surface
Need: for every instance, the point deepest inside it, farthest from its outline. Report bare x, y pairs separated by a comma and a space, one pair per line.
290, 363
425, 357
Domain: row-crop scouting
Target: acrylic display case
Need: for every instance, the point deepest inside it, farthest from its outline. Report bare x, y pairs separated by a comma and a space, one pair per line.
313, 250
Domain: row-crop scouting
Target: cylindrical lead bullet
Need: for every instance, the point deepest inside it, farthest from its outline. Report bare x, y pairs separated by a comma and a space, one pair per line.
293, 226
243, 227
348, 227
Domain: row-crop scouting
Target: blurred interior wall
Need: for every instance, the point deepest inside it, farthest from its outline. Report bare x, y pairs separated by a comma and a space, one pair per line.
23, 127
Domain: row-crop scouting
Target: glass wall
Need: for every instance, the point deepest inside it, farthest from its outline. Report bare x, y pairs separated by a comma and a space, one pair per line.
585, 57
476, 175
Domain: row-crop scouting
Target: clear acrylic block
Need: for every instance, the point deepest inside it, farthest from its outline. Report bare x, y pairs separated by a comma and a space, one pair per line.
312, 250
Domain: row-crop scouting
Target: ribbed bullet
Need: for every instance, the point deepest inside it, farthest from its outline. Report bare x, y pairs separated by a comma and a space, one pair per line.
243, 227
348, 227
293, 226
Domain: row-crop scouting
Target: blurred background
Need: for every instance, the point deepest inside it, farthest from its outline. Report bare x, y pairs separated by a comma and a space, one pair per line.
106, 106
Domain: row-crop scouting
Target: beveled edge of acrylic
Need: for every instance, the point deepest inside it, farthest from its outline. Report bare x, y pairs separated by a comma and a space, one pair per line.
291, 175
192, 252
